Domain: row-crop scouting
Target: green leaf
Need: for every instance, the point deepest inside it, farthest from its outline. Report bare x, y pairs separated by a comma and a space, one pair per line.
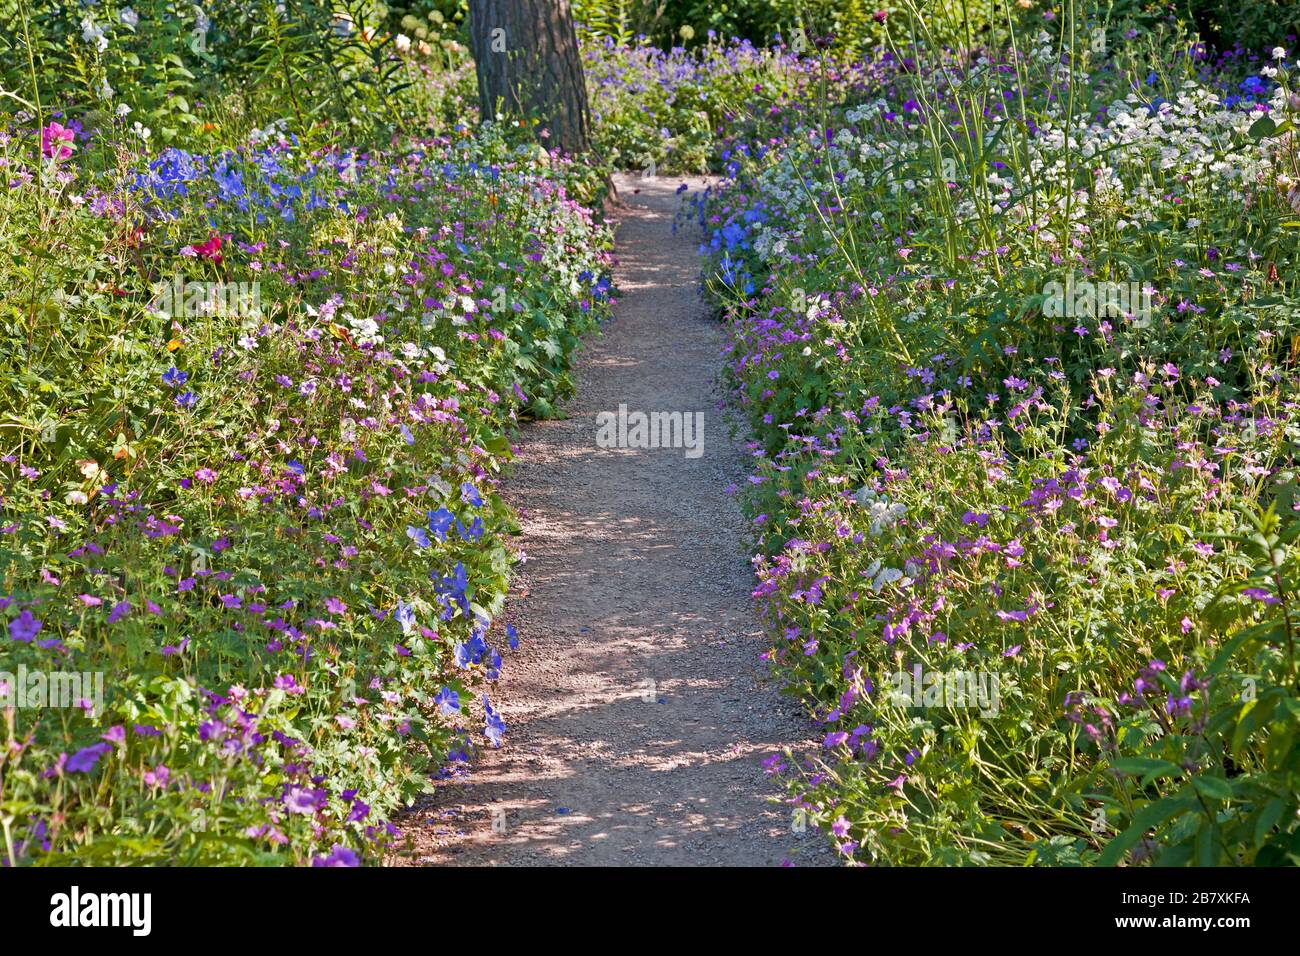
1149, 816
1268, 817
1216, 788
1148, 768
1262, 127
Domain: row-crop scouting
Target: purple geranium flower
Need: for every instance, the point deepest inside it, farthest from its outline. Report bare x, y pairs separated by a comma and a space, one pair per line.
339, 856
83, 761
24, 627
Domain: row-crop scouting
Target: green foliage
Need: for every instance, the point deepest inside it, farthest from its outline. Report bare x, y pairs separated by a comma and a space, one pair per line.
259, 394
177, 65
981, 466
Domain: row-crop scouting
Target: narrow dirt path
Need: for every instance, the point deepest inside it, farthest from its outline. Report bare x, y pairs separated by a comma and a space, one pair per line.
636, 707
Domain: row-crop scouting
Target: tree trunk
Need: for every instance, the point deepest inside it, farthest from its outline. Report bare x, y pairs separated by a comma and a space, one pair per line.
526, 55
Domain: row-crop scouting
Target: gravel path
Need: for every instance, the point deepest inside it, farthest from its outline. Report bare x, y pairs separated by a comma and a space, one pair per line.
636, 708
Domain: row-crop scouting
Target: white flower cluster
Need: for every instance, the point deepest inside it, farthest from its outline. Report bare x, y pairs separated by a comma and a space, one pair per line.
1131, 158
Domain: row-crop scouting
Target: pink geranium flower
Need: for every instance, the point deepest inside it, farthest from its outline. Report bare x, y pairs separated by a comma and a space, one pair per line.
56, 140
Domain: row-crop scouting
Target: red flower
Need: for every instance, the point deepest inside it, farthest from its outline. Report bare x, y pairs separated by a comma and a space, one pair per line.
211, 249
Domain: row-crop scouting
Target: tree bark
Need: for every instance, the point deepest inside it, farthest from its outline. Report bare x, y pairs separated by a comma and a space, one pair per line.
526, 56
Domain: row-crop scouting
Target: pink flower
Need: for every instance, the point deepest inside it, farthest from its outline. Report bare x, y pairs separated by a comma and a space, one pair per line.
52, 139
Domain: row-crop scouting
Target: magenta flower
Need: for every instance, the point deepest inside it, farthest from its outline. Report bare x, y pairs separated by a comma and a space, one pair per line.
288, 684
157, 777
56, 140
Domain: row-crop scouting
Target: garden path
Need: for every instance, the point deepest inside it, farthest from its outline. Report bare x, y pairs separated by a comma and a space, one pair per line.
636, 573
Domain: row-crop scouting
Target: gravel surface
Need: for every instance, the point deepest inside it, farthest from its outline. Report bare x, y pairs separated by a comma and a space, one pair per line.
637, 709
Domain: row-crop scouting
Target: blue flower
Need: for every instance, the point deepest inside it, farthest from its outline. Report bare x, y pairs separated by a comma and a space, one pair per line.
512, 636
469, 494
187, 400
83, 761
448, 702
439, 522
451, 589
405, 615
169, 174
175, 378
418, 535
230, 182
473, 532
494, 728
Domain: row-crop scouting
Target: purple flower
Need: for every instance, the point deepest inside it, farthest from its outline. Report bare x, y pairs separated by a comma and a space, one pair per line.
1261, 595
24, 627
304, 799
83, 761
339, 856
287, 683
